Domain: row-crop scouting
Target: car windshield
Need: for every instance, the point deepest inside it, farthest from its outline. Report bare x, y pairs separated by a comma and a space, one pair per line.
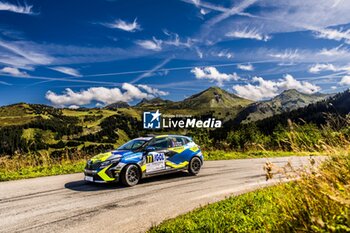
133, 144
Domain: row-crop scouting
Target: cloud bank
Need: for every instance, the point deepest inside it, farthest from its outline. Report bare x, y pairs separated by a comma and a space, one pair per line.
213, 75
103, 95
266, 89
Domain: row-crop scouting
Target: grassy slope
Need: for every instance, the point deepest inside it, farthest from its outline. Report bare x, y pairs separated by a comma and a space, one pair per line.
16, 115
316, 203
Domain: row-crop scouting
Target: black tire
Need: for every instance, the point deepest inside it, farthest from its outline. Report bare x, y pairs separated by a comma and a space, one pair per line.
194, 166
131, 175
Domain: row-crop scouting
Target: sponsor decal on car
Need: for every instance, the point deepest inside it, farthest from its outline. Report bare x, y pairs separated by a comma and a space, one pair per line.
155, 161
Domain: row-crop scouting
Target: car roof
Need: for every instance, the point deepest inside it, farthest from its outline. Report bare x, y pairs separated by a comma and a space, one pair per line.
172, 135
143, 138
148, 138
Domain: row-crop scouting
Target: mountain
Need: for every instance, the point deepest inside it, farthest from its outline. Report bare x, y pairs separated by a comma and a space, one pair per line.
287, 101
213, 97
155, 102
334, 110
119, 104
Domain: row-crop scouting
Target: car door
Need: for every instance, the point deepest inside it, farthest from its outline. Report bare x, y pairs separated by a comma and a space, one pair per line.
178, 155
155, 160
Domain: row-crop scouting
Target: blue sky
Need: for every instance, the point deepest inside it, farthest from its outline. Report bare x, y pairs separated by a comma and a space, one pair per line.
92, 53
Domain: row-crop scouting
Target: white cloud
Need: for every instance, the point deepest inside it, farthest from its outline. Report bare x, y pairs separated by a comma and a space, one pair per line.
327, 67
322, 67
337, 51
272, 17
153, 91
345, 81
289, 82
286, 55
153, 44
333, 34
176, 41
73, 106
66, 70
295, 56
204, 11
226, 54
266, 89
99, 105
213, 75
247, 33
102, 95
25, 9
199, 53
248, 67
125, 26
22, 54
13, 72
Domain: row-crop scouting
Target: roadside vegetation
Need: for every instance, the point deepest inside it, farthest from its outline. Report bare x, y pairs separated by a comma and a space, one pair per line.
41, 164
318, 202
59, 146
253, 154
37, 165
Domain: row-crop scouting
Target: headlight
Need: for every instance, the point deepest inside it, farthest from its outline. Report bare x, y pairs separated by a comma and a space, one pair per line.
108, 162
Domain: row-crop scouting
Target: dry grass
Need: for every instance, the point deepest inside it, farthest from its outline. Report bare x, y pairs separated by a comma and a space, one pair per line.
319, 201
39, 164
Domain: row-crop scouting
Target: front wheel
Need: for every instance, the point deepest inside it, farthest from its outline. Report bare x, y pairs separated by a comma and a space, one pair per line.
194, 166
131, 175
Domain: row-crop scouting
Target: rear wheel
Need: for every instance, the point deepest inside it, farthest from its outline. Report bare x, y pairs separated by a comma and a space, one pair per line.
131, 175
194, 166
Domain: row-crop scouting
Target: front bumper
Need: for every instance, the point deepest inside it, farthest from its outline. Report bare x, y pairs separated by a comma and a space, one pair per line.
101, 176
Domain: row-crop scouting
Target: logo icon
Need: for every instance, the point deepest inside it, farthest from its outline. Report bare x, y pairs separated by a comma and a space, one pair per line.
151, 120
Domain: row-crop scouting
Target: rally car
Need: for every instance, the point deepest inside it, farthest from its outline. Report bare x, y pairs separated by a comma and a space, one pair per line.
145, 157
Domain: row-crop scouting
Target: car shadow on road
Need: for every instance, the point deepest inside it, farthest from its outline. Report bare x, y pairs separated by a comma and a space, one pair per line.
165, 178
84, 186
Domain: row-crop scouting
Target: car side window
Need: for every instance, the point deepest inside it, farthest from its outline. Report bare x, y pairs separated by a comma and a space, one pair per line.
160, 143
177, 141
137, 144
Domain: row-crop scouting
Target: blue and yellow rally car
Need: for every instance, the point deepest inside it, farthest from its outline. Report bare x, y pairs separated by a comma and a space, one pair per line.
145, 157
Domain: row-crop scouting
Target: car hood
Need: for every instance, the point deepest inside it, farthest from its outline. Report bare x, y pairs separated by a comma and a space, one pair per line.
110, 155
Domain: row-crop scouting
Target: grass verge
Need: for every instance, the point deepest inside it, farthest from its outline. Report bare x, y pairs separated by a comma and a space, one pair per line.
224, 155
318, 202
67, 167
21, 167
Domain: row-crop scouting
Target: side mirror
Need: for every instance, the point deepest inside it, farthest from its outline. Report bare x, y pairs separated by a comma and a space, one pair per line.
150, 148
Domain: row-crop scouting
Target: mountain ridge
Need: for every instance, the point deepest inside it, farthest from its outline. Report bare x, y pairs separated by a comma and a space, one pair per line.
286, 101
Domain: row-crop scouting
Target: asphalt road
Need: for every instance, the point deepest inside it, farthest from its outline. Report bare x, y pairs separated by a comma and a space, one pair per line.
66, 203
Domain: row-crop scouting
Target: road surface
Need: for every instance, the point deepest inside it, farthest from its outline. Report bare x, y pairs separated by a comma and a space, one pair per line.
66, 203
